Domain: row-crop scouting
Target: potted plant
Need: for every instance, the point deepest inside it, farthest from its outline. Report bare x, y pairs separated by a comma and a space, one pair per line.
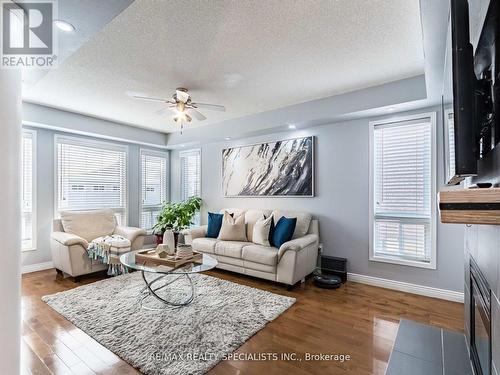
176, 217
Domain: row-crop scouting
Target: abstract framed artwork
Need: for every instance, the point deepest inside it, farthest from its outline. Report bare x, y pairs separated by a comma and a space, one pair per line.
273, 169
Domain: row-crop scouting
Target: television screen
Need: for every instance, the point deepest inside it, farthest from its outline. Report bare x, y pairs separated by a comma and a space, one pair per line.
458, 98
486, 68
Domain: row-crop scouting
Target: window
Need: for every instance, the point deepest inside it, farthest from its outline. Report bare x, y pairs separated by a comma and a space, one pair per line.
28, 177
402, 203
190, 162
91, 175
153, 186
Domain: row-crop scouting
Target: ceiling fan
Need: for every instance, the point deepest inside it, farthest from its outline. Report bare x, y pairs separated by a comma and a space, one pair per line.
182, 106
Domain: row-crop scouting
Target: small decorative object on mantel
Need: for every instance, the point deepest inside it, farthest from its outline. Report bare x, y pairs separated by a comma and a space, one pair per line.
162, 250
484, 185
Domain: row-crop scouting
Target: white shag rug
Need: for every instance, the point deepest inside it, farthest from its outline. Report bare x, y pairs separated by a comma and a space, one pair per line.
186, 340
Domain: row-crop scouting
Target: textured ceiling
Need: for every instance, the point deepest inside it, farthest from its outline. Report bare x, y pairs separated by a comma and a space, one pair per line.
250, 56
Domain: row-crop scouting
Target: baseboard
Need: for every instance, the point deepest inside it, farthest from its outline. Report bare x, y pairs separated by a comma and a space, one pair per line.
427, 291
37, 267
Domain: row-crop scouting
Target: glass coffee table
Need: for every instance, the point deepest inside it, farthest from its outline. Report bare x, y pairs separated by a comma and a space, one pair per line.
169, 286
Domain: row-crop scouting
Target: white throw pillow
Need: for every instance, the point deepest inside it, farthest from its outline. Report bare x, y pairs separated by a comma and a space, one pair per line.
261, 229
233, 228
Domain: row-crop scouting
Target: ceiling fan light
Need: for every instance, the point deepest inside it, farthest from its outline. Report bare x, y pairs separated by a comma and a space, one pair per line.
182, 117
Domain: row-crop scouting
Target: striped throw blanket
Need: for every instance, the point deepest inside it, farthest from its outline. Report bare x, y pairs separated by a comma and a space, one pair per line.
107, 250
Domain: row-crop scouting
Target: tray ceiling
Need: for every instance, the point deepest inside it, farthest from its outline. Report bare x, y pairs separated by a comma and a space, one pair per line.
249, 58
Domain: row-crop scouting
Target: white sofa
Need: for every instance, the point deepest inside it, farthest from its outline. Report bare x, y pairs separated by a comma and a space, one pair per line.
73, 232
289, 264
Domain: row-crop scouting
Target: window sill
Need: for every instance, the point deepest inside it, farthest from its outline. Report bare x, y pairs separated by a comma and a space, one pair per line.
402, 262
28, 249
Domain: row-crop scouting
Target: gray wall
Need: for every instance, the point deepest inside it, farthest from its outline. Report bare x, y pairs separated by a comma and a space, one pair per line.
341, 202
482, 242
45, 188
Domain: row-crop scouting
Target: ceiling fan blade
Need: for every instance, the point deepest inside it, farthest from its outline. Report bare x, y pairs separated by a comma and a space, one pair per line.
150, 99
164, 110
210, 107
197, 115
182, 96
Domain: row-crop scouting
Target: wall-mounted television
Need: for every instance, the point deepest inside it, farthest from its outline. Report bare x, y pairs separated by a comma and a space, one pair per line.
487, 90
458, 98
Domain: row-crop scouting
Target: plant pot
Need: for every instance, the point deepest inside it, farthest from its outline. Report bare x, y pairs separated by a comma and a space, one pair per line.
159, 239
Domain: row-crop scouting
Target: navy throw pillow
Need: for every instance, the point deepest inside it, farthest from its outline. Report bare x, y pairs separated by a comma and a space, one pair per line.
214, 224
283, 231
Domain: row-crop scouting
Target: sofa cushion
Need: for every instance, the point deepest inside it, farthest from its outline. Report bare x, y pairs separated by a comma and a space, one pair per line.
251, 217
89, 224
261, 231
235, 211
303, 221
204, 244
214, 224
283, 231
260, 254
230, 248
233, 228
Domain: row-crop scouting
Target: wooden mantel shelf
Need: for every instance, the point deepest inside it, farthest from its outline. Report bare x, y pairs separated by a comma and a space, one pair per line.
470, 206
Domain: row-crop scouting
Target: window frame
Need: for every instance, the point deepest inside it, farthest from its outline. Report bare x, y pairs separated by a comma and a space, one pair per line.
34, 157
197, 217
393, 121
152, 152
88, 142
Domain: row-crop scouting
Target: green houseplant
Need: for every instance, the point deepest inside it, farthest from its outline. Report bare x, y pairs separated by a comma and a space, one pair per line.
176, 217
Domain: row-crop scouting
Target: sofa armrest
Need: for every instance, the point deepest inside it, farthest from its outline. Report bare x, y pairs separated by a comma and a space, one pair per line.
298, 244
68, 239
130, 233
193, 233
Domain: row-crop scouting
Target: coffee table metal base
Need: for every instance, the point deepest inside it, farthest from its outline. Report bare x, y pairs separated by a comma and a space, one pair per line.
155, 285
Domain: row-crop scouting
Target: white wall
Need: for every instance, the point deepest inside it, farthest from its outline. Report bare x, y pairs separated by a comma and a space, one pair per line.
341, 202
10, 217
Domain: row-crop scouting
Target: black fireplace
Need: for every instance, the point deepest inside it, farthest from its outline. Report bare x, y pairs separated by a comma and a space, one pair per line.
480, 321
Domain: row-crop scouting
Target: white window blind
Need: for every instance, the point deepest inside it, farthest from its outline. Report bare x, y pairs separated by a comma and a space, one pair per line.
190, 173
154, 184
449, 119
91, 175
28, 226
402, 191
190, 162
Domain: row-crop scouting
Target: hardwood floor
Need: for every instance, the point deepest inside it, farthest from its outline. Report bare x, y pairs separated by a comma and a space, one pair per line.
356, 320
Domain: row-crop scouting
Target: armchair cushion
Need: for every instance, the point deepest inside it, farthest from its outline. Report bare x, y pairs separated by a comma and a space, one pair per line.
68, 239
298, 244
89, 224
130, 233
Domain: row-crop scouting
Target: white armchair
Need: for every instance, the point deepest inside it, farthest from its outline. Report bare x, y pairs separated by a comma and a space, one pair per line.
73, 232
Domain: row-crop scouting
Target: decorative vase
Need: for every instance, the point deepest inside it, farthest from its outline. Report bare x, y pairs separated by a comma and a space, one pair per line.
169, 239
